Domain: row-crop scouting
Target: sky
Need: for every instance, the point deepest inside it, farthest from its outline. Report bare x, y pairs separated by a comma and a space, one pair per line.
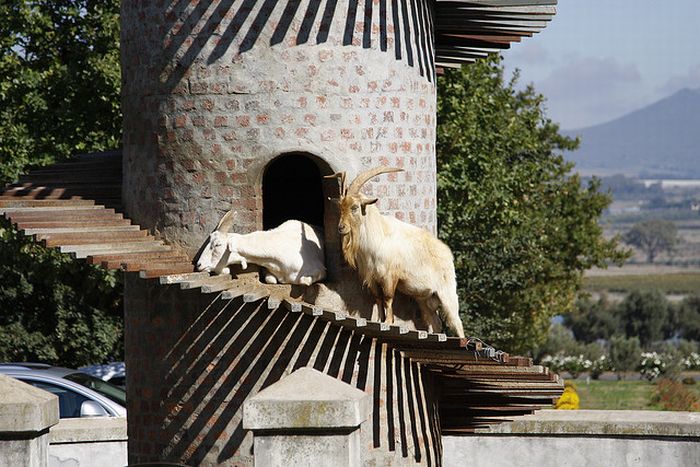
600, 59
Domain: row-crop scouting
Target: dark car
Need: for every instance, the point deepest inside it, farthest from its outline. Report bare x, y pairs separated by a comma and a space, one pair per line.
79, 394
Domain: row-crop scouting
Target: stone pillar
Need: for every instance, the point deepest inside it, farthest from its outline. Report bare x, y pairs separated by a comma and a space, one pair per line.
307, 418
26, 414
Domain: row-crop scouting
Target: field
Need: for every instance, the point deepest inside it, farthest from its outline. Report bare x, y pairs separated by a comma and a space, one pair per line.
672, 283
619, 395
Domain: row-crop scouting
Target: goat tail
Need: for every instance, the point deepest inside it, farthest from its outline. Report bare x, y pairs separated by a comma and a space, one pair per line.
450, 309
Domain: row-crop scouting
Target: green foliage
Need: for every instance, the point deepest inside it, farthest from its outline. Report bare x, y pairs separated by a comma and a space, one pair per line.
521, 226
59, 81
592, 320
56, 309
644, 314
59, 95
653, 237
689, 318
559, 341
624, 354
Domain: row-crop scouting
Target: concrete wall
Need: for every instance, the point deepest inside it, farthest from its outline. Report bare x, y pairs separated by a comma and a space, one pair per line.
583, 438
213, 91
88, 442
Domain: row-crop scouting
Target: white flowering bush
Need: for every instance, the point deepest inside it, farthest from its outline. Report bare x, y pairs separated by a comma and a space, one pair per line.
574, 365
600, 366
652, 365
692, 361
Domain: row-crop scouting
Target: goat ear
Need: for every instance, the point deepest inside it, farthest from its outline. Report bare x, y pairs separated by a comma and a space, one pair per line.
366, 202
226, 222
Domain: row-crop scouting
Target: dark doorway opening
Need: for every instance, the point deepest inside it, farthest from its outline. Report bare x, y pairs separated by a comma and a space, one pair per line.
293, 189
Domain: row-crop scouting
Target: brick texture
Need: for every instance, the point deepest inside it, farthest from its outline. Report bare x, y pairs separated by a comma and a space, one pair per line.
208, 102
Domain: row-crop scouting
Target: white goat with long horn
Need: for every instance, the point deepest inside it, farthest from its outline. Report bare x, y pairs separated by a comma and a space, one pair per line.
291, 253
391, 255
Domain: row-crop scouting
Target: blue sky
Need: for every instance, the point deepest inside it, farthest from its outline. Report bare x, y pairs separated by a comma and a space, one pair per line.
600, 59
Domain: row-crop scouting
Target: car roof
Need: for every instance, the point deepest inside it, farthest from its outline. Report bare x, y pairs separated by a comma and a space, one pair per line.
37, 369
56, 374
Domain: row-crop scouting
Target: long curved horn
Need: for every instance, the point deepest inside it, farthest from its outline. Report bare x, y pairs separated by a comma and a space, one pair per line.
365, 176
226, 222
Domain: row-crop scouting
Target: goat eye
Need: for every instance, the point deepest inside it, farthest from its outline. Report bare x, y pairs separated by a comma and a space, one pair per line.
355, 208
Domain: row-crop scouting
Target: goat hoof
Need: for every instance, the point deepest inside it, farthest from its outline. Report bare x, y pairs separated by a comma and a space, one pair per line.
270, 279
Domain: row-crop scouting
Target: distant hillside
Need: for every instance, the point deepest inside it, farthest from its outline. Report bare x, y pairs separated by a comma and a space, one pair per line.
660, 140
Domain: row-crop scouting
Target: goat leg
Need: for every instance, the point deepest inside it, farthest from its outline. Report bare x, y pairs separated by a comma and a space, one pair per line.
388, 310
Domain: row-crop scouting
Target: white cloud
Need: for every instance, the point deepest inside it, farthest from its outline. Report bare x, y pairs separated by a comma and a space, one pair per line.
529, 53
689, 79
586, 91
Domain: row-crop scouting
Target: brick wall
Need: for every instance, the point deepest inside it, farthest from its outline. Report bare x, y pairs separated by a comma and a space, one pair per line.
194, 358
213, 91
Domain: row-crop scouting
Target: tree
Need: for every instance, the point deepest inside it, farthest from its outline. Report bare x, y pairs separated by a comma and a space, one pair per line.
592, 320
624, 354
520, 224
59, 95
689, 318
560, 341
56, 309
59, 81
652, 237
644, 314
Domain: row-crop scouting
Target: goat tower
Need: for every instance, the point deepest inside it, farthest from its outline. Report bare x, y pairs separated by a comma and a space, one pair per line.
249, 106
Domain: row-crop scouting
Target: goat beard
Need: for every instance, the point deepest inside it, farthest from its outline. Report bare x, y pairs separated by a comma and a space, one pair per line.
349, 247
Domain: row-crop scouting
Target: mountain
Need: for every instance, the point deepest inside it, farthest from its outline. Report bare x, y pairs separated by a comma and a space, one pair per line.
660, 140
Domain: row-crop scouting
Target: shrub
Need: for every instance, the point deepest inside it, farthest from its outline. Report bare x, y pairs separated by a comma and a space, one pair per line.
692, 361
688, 381
624, 354
600, 366
672, 395
574, 365
560, 341
652, 365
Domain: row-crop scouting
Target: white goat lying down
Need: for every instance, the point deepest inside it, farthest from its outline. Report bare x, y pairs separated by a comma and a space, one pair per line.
291, 253
389, 254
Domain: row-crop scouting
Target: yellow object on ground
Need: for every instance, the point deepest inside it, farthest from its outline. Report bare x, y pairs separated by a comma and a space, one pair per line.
569, 400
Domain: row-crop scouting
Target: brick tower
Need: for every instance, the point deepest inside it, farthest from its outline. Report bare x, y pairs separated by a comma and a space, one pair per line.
247, 104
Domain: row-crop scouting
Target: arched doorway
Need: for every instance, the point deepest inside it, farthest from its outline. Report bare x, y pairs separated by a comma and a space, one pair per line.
293, 189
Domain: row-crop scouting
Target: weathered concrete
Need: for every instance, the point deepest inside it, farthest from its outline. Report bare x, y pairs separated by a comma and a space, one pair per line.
583, 438
605, 422
307, 399
26, 414
25, 408
89, 442
80, 430
307, 418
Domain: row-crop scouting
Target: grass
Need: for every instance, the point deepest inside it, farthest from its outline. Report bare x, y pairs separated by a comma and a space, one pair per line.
619, 395
675, 283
